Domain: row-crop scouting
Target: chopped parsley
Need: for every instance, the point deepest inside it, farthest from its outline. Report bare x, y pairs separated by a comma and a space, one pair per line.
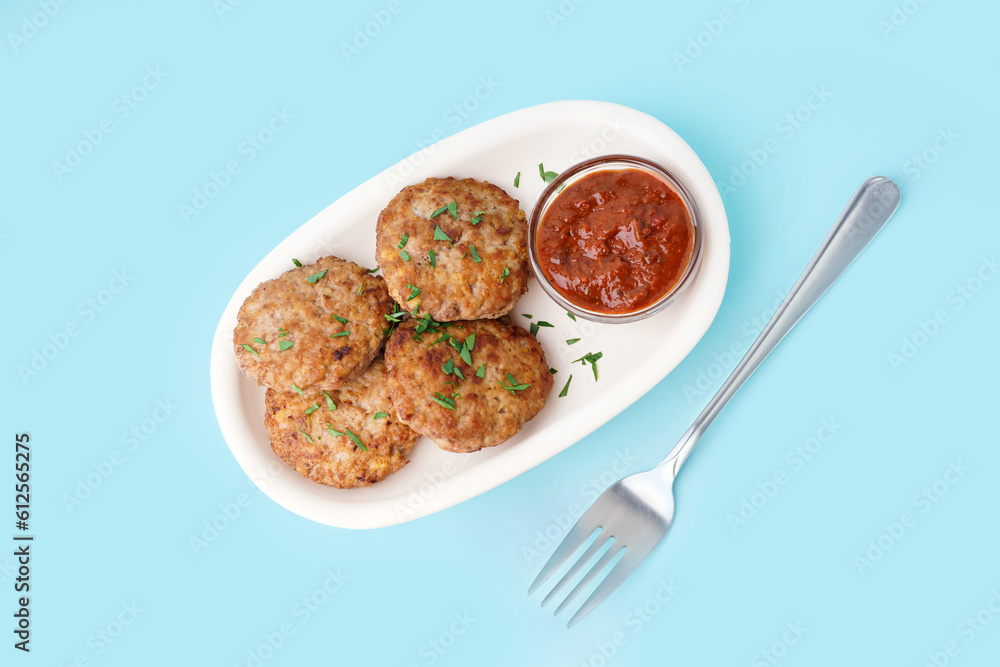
296, 262
547, 176
590, 358
380, 415
514, 385
448, 367
433, 258
316, 276
517, 180
356, 439
402, 241
534, 329
552, 371
506, 272
443, 400
543, 323
308, 437
571, 316
465, 352
443, 338
477, 217
342, 333
342, 320
458, 372
260, 340
439, 234
250, 350
565, 389
297, 390
404, 255
527, 315
282, 333
572, 341
451, 208
285, 344
475, 255
330, 405
481, 371
311, 409
414, 292
470, 341
375, 270
361, 288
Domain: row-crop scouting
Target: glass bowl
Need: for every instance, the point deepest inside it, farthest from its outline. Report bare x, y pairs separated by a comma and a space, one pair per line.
614, 163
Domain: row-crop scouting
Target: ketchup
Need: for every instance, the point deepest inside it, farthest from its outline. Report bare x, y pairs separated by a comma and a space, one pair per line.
615, 241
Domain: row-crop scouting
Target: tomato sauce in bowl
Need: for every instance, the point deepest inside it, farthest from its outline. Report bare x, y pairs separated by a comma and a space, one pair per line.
616, 240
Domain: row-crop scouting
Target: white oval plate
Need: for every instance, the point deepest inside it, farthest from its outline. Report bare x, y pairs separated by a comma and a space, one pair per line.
636, 355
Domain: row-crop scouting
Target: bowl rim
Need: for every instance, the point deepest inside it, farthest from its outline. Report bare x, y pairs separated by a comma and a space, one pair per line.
608, 163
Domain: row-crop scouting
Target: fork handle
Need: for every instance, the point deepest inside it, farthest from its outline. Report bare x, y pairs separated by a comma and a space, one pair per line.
867, 212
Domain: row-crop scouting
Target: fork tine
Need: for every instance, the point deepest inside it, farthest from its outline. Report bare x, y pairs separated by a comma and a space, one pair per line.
619, 573
574, 539
596, 546
594, 571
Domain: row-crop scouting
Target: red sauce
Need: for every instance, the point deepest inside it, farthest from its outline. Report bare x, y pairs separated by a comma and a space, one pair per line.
615, 242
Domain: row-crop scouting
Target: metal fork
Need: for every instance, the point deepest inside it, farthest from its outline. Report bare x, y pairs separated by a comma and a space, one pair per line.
634, 514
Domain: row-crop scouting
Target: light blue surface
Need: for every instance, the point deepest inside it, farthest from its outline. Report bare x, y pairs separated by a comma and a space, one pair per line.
889, 96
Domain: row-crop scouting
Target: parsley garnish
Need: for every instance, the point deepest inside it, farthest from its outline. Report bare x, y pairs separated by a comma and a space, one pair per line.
458, 372
316, 276
361, 288
470, 341
340, 319
380, 415
534, 329
477, 217
475, 255
439, 234
308, 437
297, 390
543, 323
402, 241
330, 405
285, 344
448, 367
514, 385
553, 371
405, 255
527, 315
311, 409
547, 176
250, 350
375, 270
451, 208
414, 292
260, 340
566, 388
465, 352
296, 262
572, 341
571, 316
282, 333
443, 401
342, 333
481, 371
357, 441
433, 258
517, 180
591, 358
506, 272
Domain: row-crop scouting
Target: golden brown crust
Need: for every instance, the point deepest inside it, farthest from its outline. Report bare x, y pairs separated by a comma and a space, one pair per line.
336, 460
485, 413
457, 287
306, 311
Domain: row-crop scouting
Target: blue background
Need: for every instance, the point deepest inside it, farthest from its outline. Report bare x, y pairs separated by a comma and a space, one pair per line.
894, 89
